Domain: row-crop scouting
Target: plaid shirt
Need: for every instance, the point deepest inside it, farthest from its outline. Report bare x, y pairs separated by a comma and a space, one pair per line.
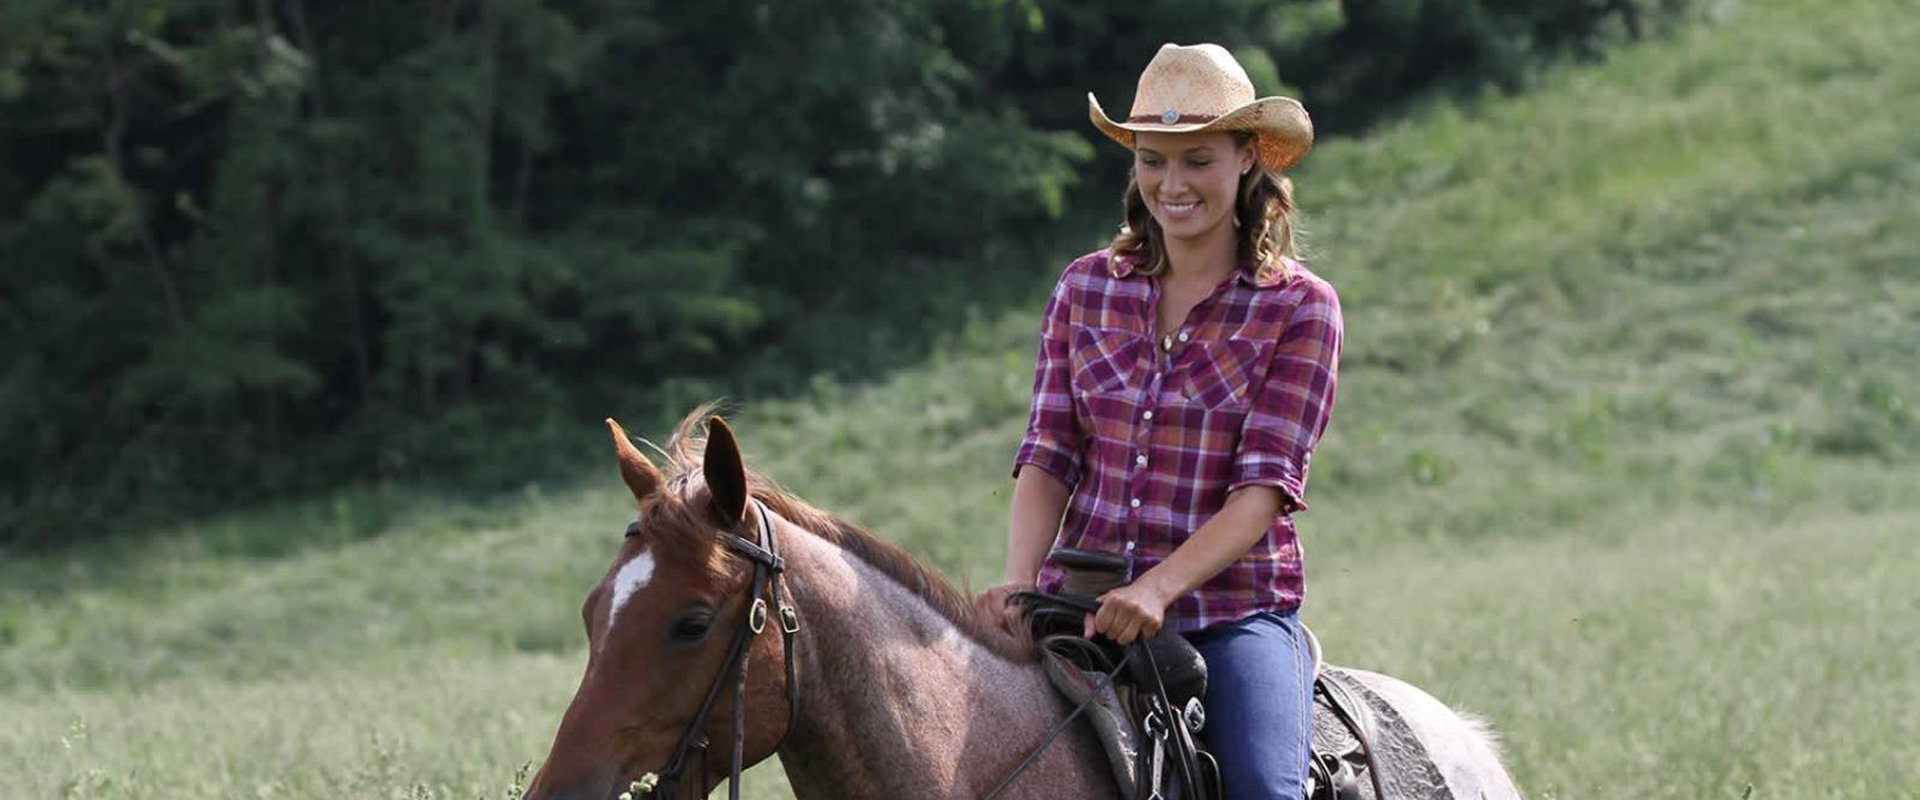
1151, 442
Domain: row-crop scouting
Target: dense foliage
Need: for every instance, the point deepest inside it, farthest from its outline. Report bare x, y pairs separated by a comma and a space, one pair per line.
253, 247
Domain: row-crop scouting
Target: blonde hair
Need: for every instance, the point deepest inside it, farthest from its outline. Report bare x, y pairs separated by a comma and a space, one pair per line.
1264, 217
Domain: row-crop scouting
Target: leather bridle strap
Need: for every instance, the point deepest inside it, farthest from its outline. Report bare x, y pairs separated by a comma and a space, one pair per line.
767, 568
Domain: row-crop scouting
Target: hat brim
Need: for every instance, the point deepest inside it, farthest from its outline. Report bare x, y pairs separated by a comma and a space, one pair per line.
1282, 130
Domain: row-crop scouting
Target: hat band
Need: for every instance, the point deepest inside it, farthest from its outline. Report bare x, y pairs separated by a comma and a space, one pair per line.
1165, 119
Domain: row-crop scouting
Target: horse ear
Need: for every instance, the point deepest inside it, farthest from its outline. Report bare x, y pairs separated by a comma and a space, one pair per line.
642, 477
725, 472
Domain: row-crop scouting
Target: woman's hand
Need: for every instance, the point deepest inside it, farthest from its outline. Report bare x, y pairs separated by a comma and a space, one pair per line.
1134, 611
993, 602
1137, 610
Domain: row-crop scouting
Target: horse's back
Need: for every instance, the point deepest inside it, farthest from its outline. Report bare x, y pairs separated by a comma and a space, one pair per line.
1460, 746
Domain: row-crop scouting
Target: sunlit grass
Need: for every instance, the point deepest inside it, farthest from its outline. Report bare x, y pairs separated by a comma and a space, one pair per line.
429, 728
1649, 653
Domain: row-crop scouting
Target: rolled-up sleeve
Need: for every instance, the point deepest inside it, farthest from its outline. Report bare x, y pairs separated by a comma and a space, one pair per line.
1053, 435
1290, 410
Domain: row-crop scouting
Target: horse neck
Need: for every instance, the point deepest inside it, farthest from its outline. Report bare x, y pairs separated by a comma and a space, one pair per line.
898, 703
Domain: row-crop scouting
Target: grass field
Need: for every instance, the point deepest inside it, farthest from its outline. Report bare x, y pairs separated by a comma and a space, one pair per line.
1626, 459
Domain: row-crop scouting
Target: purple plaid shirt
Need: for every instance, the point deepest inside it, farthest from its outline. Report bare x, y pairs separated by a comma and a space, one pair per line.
1151, 442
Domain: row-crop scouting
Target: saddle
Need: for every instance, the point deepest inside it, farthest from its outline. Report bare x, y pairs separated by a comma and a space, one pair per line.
1144, 702
1363, 749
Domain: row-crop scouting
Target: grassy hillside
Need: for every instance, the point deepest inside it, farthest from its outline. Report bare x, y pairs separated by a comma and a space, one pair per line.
1625, 459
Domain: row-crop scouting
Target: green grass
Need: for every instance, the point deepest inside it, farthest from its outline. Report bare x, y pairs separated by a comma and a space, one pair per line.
1648, 653
1663, 653
1625, 459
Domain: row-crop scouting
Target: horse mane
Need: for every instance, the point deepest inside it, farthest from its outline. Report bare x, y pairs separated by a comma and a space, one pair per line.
685, 453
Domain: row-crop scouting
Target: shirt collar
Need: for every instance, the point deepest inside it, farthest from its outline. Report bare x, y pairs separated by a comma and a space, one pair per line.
1122, 265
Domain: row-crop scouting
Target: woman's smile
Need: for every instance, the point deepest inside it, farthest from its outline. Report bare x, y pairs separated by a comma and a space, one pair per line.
1179, 210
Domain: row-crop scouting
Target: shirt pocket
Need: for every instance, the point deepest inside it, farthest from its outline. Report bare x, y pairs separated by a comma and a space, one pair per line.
1224, 373
1104, 360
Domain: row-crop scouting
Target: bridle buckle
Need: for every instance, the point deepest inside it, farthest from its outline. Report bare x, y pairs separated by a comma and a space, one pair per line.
757, 617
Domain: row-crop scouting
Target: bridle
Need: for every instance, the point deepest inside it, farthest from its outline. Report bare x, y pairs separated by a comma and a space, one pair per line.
767, 567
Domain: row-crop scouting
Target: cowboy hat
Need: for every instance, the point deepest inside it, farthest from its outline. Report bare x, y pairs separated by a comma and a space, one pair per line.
1202, 88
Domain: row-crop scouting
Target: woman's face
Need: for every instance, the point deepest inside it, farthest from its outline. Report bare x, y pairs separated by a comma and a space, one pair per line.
1190, 181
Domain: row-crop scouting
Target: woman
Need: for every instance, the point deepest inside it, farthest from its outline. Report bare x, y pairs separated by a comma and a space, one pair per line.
1185, 374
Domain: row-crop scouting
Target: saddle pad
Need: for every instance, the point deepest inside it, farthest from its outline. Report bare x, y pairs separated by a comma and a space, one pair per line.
1406, 770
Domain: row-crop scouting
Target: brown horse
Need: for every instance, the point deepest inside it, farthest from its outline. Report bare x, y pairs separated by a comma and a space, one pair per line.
878, 680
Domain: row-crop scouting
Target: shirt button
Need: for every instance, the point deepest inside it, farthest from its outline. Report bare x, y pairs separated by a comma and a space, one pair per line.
1135, 502
1141, 460
1183, 336
1147, 415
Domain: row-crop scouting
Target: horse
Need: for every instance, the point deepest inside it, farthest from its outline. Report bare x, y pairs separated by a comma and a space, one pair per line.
879, 680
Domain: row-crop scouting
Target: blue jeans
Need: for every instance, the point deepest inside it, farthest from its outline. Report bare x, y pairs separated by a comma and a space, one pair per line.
1259, 705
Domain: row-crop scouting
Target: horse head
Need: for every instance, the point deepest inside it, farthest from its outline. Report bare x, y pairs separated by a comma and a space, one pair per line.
668, 627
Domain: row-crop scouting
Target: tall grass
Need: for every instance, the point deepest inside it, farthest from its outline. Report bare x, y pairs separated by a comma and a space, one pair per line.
1624, 458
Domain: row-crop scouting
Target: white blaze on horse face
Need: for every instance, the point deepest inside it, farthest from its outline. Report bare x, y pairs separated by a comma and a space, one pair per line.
632, 577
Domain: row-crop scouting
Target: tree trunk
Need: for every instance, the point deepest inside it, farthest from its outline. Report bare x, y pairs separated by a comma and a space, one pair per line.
345, 269
112, 143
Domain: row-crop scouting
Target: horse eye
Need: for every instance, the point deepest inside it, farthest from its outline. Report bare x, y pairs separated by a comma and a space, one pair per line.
692, 626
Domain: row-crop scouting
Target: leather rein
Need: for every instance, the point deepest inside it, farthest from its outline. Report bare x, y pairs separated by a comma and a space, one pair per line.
767, 568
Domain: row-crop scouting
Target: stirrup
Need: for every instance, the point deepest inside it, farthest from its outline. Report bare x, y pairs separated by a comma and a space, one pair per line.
1330, 777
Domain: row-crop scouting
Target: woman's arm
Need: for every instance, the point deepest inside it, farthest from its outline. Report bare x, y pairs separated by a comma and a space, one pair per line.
1039, 500
1137, 609
1048, 462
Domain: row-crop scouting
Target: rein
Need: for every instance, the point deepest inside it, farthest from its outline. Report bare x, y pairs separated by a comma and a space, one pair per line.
1060, 727
767, 567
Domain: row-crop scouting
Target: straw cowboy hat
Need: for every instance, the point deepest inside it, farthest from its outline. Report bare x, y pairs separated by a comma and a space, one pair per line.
1201, 88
